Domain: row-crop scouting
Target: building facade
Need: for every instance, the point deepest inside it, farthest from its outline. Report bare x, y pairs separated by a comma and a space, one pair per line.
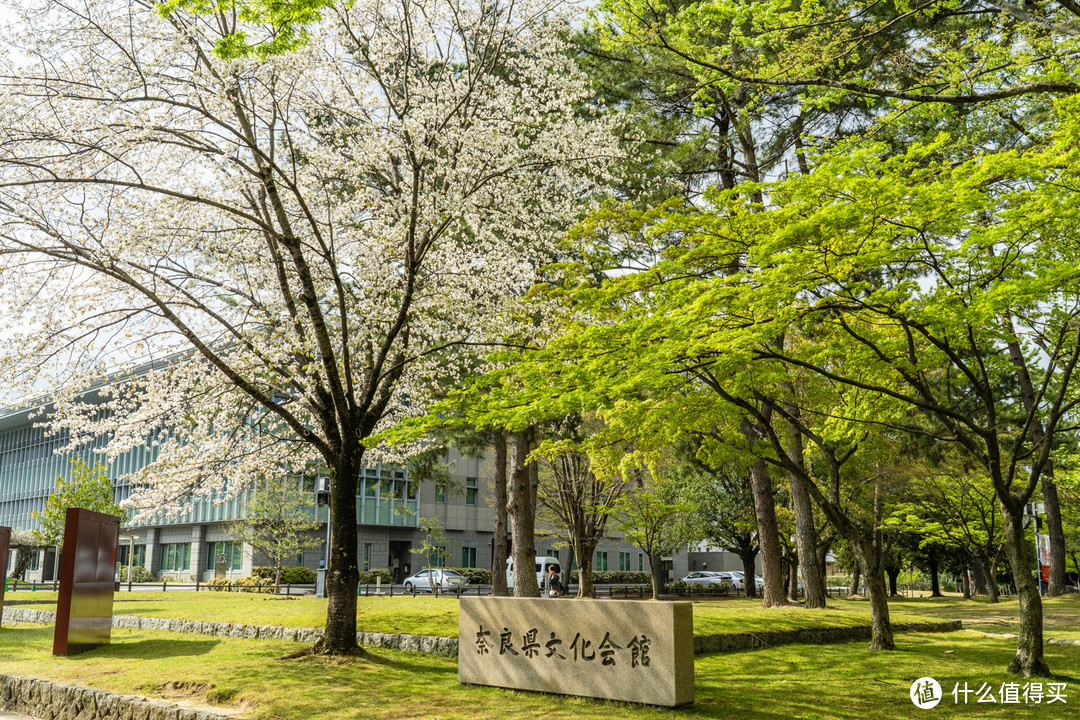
186, 547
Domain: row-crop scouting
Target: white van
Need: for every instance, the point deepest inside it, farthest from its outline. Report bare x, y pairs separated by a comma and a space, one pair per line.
542, 564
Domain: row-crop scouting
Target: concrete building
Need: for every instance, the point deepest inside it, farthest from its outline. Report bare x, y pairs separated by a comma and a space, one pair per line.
185, 547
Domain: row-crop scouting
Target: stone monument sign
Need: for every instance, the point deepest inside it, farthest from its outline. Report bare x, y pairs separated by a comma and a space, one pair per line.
84, 606
636, 651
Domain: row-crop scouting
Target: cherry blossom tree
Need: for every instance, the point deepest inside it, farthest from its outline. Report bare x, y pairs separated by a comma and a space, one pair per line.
279, 256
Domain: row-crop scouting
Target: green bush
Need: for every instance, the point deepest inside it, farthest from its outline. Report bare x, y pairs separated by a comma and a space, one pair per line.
244, 584
616, 577
477, 576
298, 576
139, 574
289, 576
372, 576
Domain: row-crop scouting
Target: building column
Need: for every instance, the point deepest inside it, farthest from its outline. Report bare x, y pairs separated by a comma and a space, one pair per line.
153, 549
198, 551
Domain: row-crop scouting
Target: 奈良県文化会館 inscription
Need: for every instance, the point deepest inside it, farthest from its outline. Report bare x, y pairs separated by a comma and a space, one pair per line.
636, 651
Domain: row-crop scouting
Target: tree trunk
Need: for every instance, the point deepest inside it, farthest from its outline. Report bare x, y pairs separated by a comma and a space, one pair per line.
498, 553
967, 583
768, 536
893, 573
793, 579
521, 506
853, 589
656, 573
747, 553
932, 561
978, 569
1056, 532
342, 574
805, 530
1029, 646
584, 573
881, 636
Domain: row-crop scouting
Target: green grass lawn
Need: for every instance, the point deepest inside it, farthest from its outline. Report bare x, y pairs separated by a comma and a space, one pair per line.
426, 615
833, 681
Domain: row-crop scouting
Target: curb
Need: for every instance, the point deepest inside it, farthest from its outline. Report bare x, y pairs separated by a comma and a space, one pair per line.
448, 647
49, 700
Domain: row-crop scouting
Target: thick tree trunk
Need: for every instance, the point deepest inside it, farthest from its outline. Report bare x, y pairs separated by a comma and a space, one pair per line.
966, 583
656, 575
805, 530
498, 553
521, 506
932, 561
584, 573
893, 573
343, 573
853, 589
1029, 646
747, 553
978, 569
881, 636
768, 536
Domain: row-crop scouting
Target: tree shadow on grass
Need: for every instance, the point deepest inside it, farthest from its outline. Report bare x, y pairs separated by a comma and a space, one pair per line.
149, 649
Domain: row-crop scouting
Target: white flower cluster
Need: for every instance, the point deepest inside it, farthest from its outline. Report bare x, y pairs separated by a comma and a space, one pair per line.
315, 242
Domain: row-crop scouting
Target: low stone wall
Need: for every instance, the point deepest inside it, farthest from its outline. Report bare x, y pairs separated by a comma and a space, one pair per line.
448, 647
54, 701
432, 645
748, 641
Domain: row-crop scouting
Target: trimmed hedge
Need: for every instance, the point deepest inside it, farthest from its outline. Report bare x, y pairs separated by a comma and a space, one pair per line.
289, 575
371, 577
139, 574
616, 577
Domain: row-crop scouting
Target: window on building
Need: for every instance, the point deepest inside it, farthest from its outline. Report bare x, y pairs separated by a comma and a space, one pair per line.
468, 557
33, 560
641, 561
437, 558
230, 553
440, 494
175, 557
367, 556
624, 561
470, 491
601, 560
553, 552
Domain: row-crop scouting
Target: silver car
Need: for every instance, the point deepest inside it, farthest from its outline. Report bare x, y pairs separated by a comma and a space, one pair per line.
703, 578
442, 579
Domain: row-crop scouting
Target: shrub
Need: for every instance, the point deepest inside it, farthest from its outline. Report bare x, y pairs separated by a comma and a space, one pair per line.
298, 576
372, 576
613, 577
289, 576
139, 574
244, 584
477, 576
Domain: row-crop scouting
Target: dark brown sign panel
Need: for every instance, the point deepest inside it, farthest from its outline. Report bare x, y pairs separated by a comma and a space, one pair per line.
84, 608
5, 548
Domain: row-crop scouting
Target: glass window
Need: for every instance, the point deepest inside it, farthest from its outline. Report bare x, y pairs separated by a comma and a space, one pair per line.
624, 561
641, 561
470, 491
231, 554
367, 556
601, 560
468, 557
33, 560
440, 494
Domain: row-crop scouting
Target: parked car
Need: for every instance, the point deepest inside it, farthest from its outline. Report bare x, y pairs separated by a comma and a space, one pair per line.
759, 582
703, 578
443, 579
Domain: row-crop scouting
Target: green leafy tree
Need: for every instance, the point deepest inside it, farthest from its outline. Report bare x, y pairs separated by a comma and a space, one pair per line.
89, 488
278, 521
653, 520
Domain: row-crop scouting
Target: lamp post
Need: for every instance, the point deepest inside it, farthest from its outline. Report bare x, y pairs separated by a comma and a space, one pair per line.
131, 556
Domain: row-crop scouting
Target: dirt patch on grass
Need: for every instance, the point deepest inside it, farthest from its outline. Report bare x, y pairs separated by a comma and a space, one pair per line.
203, 698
